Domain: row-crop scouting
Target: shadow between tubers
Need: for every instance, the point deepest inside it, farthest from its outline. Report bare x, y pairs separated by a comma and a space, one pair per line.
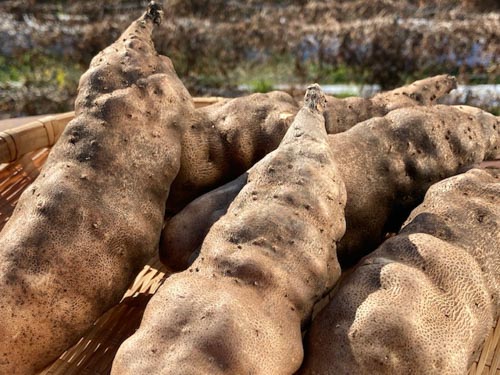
262, 267
424, 301
387, 164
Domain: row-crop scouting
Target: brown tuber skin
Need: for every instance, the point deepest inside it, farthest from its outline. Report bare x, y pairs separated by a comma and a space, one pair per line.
84, 228
240, 307
226, 139
100, 196
186, 231
343, 114
424, 301
387, 164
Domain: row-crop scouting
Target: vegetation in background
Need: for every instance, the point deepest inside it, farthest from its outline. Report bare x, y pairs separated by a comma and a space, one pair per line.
37, 84
39, 70
218, 46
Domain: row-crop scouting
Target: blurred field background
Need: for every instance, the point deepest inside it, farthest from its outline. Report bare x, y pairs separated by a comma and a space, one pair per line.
231, 47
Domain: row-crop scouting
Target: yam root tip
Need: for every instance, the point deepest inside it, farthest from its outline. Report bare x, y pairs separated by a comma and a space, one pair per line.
154, 12
454, 82
315, 98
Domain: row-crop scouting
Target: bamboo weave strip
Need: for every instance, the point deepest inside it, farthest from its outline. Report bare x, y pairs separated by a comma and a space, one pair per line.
94, 353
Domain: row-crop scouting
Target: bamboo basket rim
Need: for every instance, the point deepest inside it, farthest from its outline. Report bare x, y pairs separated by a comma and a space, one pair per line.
94, 352
45, 131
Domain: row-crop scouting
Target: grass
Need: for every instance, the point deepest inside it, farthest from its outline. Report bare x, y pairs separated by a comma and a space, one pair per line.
38, 70
261, 86
263, 77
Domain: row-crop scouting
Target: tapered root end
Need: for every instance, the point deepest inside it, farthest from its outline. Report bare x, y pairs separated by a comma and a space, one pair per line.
315, 98
453, 84
154, 12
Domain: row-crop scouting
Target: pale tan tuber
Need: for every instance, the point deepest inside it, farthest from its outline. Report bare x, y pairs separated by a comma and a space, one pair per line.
222, 141
94, 216
343, 114
425, 300
240, 307
387, 164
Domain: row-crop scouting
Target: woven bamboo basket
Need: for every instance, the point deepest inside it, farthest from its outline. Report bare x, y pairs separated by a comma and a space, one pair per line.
23, 151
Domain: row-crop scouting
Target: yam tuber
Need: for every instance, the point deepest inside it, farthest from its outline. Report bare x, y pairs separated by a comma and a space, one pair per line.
223, 140
185, 232
343, 114
425, 300
94, 216
240, 307
387, 164
226, 139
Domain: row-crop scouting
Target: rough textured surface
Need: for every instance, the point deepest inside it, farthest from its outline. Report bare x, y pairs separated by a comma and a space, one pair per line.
424, 301
240, 306
251, 127
80, 233
185, 232
387, 164
343, 114
224, 140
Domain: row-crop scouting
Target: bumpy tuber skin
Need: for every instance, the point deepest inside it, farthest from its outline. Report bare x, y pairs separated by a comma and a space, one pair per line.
343, 114
257, 122
424, 301
240, 307
186, 231
84, 228
387, 164
424, 92
224, 140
